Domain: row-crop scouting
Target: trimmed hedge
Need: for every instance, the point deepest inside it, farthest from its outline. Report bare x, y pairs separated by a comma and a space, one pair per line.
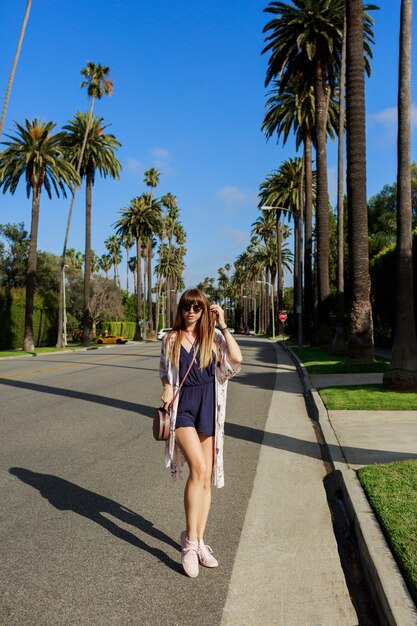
382, 271
126, 329
12, 320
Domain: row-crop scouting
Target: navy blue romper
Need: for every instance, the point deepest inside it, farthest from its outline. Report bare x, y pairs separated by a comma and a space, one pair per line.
196, 403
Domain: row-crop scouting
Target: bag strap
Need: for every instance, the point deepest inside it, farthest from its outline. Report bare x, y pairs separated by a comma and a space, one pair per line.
183, 380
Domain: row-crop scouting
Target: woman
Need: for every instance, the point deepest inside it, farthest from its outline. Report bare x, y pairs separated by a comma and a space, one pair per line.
198, 412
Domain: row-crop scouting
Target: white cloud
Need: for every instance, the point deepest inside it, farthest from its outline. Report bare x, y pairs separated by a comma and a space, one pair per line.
388, 117
162, 159
233, 197
133, 165
239, 237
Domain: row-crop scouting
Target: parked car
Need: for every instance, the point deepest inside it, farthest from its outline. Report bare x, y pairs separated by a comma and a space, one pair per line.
111, 339
161, 333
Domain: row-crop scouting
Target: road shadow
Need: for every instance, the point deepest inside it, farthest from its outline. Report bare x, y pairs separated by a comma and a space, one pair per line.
67, 496
125, 405
357, 456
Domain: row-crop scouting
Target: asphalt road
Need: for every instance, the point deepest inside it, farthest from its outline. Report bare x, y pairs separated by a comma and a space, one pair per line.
89, 518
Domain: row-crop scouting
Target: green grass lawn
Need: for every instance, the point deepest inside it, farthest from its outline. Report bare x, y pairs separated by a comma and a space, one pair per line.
391, 491
322, 361
367, 397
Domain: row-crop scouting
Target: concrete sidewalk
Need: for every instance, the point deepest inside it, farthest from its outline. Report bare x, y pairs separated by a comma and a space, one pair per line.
355, 439
287, 570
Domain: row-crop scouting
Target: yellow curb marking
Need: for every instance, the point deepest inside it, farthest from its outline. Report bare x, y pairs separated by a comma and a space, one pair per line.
60, 367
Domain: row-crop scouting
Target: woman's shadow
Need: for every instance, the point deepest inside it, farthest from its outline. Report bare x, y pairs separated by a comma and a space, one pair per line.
67, 496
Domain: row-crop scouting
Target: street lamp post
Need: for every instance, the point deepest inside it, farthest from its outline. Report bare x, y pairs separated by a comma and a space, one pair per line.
299, 241
272, 303
254, 312
64, 306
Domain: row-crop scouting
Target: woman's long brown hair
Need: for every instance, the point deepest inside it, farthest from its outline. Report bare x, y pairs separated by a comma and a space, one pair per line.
205, 329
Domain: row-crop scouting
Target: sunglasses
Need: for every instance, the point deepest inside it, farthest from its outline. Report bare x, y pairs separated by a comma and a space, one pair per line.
195, 308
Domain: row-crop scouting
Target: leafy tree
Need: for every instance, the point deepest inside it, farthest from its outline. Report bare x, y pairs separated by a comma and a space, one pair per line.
382, 214
13, 261
38, 155
106, 300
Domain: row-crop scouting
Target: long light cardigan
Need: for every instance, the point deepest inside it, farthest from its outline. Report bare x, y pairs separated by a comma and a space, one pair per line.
223, 371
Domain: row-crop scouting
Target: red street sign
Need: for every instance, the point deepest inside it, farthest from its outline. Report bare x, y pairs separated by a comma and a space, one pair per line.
282, 316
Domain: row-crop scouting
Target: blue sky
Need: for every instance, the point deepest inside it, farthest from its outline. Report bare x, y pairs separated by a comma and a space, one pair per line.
188, 99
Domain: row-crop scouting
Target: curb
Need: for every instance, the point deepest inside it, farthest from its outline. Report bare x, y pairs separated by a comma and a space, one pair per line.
389, 591
71, 349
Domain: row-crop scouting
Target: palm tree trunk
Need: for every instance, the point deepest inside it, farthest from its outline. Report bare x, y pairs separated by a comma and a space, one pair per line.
360, 339
127, 270
339, 341
308, 237
87, 262
138, 333
402, 371
322, 203
279, 261
28, 342
15, 61
150, 307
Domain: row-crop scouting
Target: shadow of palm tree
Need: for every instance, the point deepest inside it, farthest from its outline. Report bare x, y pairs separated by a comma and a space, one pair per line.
125, 405
67, 496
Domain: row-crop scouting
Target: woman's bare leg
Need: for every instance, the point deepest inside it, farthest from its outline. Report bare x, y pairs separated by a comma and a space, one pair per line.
189, 442
207, 444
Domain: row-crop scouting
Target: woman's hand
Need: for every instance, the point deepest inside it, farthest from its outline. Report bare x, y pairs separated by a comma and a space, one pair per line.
219, 313
167, 395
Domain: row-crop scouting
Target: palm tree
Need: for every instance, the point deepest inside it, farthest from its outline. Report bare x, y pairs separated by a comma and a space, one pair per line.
98, 156
168, 221
310, 34
360, 333
113, 244
106, 263
127, 243
15, 61
294, 108
284, 187
140, 221
74, 258
98, 84
151, 179
402, 371
265, 228
133, 265
38, 155
170, 266
307, 37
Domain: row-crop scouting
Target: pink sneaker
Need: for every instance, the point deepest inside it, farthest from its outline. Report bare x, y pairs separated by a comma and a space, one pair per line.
189, 557
205, 555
